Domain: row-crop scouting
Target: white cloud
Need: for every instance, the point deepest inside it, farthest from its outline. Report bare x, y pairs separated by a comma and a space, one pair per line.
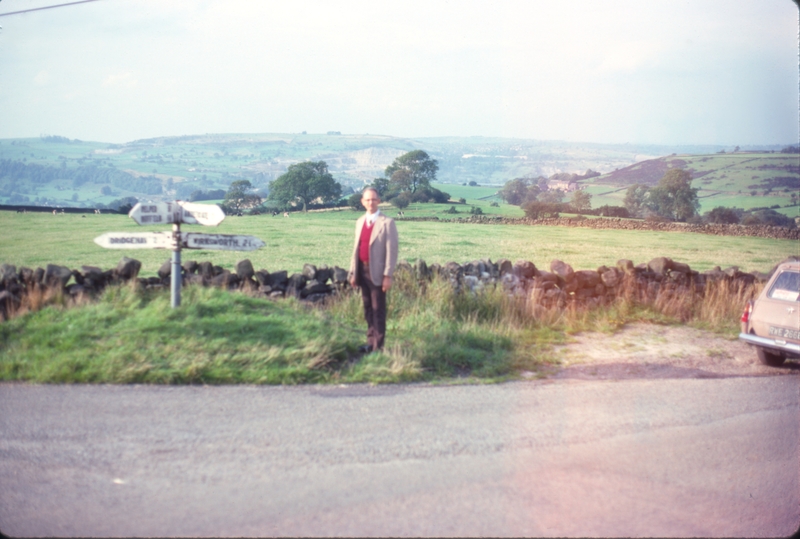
629, 56
123, 79
41, 78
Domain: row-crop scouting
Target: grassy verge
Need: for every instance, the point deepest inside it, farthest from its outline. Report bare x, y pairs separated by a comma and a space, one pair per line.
434, 334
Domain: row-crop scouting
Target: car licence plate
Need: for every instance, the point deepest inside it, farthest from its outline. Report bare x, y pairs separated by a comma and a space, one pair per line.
784, 333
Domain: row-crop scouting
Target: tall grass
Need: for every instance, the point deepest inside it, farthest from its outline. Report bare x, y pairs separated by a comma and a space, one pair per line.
131, 335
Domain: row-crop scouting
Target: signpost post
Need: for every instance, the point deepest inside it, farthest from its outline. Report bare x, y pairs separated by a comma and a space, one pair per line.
176, 213
176, 273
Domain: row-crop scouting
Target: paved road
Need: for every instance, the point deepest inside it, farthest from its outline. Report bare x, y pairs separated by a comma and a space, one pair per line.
681, 457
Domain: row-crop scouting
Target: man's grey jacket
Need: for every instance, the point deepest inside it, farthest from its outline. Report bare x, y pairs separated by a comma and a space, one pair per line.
382, 249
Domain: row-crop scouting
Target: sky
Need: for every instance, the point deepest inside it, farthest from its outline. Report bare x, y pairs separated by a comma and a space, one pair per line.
606, 71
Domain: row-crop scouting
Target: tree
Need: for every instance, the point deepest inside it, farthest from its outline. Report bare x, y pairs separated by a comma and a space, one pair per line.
613, 211
536, 209
769, 217
381, 185
723, 215
401, 181
401, 201
237, 198
673, 197
519, 191
581, 201
306, 182
355, 202
429, 194
552, 196
123, 205
635, 200
514, 191
411, 171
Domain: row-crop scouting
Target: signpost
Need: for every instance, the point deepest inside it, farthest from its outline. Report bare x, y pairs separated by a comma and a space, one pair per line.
157, 213
134, 240
176, 213
202, 214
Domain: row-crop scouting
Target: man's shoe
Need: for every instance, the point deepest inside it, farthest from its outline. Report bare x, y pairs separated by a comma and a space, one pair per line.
365, 348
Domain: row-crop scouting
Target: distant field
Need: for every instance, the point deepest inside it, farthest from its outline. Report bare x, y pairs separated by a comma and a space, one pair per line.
614, 196
465, 191
37, 239
743, 180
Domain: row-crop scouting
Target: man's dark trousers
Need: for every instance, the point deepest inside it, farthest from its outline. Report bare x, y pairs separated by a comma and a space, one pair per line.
374, 308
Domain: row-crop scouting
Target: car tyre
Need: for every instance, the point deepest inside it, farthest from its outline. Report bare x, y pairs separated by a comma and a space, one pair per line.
769, 358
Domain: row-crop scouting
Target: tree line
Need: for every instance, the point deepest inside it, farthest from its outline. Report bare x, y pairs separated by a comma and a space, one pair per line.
672, 199
19, 172
408, 179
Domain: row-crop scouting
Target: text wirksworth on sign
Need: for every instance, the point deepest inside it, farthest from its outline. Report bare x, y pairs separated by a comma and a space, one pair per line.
220, 242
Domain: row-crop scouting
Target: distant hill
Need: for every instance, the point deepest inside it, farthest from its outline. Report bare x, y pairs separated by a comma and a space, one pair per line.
57, 171
740, 179
741, 170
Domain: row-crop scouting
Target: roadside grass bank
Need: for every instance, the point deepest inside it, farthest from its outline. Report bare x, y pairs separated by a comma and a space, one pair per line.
130, 335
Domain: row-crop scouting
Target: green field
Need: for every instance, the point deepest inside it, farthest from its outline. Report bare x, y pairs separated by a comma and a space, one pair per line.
38, 239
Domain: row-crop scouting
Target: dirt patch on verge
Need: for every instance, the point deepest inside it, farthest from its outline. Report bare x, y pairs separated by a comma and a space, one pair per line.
653, 351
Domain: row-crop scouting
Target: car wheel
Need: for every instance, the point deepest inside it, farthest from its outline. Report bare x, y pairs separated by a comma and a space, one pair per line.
769, 358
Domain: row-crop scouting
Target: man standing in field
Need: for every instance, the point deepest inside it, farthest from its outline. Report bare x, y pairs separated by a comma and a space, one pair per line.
372, 266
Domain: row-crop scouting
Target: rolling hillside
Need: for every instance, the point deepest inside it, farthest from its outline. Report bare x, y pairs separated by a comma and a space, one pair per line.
742, 179
57, 171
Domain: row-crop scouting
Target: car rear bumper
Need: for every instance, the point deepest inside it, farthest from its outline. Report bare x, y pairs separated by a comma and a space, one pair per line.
772, 344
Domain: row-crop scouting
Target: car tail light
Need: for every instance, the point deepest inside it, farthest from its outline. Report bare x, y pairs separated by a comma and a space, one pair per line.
748, 308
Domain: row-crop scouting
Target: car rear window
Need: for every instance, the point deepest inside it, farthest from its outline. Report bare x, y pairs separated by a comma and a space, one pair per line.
786, 286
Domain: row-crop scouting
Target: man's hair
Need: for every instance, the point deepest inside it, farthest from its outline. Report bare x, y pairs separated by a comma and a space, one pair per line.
364, 192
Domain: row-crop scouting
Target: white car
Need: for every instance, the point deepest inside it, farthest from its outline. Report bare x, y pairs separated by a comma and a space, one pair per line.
771, 323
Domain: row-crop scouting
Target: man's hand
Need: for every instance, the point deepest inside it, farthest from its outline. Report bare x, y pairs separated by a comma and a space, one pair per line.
387, 283
353, 281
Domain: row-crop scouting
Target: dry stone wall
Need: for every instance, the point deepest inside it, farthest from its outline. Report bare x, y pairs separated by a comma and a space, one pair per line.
559, 285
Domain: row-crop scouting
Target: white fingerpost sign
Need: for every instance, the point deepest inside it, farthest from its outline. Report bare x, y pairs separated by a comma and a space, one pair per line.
201, 214
156, 213
221, 242
175, 213
135, 240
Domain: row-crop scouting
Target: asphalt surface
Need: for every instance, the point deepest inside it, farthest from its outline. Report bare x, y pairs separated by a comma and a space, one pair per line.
666, 457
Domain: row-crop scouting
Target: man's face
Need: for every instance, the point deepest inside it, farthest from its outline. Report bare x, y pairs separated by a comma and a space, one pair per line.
370, 200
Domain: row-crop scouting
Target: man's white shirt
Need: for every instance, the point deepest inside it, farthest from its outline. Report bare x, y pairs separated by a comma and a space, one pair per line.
371, 217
